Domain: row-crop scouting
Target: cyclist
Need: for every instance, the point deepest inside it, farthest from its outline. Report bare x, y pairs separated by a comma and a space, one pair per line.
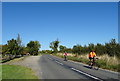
92, 56
65, 56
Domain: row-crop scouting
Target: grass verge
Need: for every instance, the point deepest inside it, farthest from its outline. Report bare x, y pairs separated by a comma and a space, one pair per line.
17, 72
103, 62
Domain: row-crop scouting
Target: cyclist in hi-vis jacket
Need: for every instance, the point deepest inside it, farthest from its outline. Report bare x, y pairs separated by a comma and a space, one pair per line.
92, 56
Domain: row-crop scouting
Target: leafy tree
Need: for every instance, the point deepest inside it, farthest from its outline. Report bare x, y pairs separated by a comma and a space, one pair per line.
54, 45
68, 50
62, 48
111, 47
118, 50
77, 49
91, 47
100, 49
4, 49
13, 47
33, 47
85, 49
46, 51
24, 50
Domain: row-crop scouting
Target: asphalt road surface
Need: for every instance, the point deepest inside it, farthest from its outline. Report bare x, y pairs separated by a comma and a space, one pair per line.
56, 68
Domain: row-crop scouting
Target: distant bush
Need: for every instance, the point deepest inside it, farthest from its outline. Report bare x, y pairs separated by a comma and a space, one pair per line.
112, 48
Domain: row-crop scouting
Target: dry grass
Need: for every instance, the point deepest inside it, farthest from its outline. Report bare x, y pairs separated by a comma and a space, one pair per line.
69, 54
110, 60
105, 61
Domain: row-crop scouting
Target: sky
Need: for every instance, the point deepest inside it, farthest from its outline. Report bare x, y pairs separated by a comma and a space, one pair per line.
71, 22
60, 0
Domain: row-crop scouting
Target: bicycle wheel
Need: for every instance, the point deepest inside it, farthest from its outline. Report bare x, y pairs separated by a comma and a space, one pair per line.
90, 64
96, 66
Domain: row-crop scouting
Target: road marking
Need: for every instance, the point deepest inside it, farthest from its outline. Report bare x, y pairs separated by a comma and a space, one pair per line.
59, 63
56, 61
99, 68
50, 58
86, 74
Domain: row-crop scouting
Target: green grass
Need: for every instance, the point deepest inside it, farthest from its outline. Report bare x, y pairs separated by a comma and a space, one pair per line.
17, 72
0, 72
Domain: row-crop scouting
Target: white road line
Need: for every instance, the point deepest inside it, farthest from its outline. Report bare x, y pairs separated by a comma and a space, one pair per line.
86, 74
59, 63
55, 61
99, 68
50, 58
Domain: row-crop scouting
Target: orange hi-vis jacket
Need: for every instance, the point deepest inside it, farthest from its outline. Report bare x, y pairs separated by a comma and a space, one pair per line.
92, 54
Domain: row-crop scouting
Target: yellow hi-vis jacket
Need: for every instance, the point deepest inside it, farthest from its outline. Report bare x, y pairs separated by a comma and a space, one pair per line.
92, 54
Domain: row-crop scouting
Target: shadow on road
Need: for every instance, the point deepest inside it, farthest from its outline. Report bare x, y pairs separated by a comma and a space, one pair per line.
87, 67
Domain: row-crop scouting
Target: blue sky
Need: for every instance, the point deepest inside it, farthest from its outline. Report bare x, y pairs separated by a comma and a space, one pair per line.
72, 23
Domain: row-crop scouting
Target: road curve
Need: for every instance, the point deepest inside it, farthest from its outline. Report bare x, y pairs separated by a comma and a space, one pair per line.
55, 68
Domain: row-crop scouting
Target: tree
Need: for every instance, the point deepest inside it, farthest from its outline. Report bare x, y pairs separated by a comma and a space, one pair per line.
33, 47
45, 51
91, 47
85, 49
13, 47
54, 45
4, 49
100, 49
118, 50
20, 48
111, 47
24, 50
68, 50
77, 49
19, 40
62, 48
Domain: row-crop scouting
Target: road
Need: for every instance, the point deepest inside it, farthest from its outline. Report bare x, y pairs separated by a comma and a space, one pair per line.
55, 68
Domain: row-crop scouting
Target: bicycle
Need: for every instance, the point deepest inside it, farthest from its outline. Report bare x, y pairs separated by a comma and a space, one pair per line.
94, 64
65, 58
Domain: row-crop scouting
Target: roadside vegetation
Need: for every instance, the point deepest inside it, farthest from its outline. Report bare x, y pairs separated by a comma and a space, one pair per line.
17, 72
16, 60
15, 49
105, 61
108, 53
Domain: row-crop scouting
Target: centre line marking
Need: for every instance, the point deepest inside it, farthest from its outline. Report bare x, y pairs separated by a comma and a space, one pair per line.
50, 58
86, 74
59, 62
